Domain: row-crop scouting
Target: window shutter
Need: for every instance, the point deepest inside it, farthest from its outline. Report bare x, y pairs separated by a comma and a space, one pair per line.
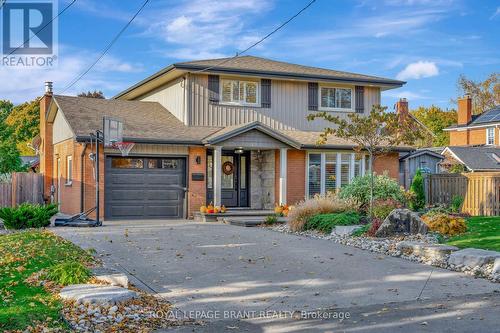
213, 88
265, 86
360, 99
313, 96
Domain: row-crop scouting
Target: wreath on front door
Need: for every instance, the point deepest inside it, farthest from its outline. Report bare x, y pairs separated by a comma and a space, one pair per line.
228, 168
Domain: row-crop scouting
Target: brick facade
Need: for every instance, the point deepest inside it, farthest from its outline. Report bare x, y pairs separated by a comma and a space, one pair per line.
197, 190
387, 163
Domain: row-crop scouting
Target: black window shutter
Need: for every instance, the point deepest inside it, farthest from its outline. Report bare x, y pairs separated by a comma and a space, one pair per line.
213, 88
360, 99
265, 86
313, 96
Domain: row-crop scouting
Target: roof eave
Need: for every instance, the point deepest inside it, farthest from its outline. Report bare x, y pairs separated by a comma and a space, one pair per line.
86, 138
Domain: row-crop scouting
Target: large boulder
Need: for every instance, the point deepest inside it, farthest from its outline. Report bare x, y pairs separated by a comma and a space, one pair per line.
401, 221
471, 258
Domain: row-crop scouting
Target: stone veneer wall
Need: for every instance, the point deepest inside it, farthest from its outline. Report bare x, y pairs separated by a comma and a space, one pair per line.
262, 179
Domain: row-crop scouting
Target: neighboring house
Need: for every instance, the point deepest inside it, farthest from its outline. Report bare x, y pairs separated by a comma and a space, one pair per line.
31, 162
425, 159
473, 159
474, 130
233, 132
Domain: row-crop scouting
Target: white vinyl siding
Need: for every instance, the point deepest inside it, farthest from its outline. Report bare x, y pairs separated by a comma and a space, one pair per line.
239, 92
490, 136
336, 98
329, 171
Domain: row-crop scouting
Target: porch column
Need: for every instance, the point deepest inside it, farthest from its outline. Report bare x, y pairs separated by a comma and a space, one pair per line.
217, 176
283, 171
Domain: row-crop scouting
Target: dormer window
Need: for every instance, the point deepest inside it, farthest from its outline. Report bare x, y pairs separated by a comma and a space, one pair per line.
490, 136
336, 98
240, 92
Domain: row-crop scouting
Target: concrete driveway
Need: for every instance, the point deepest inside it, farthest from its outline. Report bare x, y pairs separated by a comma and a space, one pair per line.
208, 270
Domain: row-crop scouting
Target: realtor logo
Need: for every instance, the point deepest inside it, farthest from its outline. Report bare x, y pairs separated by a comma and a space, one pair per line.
28, 29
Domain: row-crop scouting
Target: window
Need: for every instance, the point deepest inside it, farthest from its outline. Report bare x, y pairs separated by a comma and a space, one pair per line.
227, 181
163, 163
314, 174
336, 98
490, 136
240, 92
127, 163
327, 172
69, 169
243, 172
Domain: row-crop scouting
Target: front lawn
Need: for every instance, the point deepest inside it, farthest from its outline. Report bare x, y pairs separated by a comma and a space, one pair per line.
21, 254
482, 233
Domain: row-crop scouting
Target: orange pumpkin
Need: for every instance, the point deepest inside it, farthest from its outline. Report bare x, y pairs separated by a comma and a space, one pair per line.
203, 209
216, 209
223, 209
278, 209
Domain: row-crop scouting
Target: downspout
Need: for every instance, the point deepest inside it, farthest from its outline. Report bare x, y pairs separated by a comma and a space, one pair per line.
82, 182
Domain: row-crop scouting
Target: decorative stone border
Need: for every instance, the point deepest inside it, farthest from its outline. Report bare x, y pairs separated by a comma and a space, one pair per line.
420, 248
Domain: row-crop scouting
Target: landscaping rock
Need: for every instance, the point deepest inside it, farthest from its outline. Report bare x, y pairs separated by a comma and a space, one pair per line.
111, 276
434, 252
345, 230
400, 222
472, 258
495, 273
93, 293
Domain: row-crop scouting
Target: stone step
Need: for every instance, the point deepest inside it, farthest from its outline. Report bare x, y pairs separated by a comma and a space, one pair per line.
202, 217
472, 258
96, 294
111, 276
430, 251
250, 221
345, 230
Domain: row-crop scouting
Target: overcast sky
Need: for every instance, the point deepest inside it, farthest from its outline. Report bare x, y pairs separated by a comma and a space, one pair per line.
427, 43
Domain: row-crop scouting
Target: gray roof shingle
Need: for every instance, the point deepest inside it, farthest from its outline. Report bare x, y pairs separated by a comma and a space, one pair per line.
478, 158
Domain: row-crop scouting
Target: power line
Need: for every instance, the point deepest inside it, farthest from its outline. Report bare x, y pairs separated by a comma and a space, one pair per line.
260, 40
106, 49
46, 25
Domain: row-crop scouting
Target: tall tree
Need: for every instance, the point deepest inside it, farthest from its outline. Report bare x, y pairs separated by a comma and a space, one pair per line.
24, 119
10, 160
92, 94
377, 133
485, 94
436, 119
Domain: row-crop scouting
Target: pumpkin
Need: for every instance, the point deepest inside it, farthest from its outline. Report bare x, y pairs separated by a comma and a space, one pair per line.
216, 209
285, 212
203, 209
210, 207
210, 211
278, 209
223, 209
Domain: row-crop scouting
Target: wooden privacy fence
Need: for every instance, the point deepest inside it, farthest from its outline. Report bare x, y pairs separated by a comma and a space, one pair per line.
23, 187
481, 191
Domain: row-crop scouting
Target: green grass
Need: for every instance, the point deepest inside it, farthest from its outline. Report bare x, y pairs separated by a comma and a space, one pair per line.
21, 255
482, 233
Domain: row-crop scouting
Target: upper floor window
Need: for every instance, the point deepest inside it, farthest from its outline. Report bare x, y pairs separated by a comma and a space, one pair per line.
490, 136
240, 92
333, 98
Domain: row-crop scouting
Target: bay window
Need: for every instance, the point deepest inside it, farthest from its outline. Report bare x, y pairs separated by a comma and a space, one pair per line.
334, 98
328, 172
239, 92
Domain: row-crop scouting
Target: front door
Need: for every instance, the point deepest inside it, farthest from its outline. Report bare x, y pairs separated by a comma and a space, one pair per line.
234, 179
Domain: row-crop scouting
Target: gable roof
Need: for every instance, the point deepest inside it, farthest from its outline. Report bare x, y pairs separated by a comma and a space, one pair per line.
488, 117
141, 120
420, 152
476, 158
251, 65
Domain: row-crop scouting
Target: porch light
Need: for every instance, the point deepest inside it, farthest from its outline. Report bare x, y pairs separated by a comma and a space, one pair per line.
239, 150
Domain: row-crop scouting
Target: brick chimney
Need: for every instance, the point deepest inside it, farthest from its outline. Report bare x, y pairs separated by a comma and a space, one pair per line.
402, 107
46, 149
464, 110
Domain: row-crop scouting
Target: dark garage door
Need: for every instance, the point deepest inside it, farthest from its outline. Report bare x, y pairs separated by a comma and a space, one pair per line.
144, 187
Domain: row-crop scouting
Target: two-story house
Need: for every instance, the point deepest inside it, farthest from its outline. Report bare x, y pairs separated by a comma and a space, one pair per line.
229, 131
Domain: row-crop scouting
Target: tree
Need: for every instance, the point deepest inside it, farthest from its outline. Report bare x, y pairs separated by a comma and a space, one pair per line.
92, 94
436, 119
10, 161
376, 133
417, 187
485, 95
24, 119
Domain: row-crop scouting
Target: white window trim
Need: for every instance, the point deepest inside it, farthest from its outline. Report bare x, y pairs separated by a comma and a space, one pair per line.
487, 135
353, 102
257, 104
337, 171
69, 180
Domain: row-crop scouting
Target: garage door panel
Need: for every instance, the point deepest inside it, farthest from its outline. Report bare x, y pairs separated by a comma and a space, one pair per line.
142, 192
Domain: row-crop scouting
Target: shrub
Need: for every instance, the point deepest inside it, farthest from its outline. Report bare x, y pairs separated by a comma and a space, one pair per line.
27, 216
384, 188
271, 219
417, 187
326, 222
382, 208
445, 224
319, 204
456, 203
67, 273
374, 227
